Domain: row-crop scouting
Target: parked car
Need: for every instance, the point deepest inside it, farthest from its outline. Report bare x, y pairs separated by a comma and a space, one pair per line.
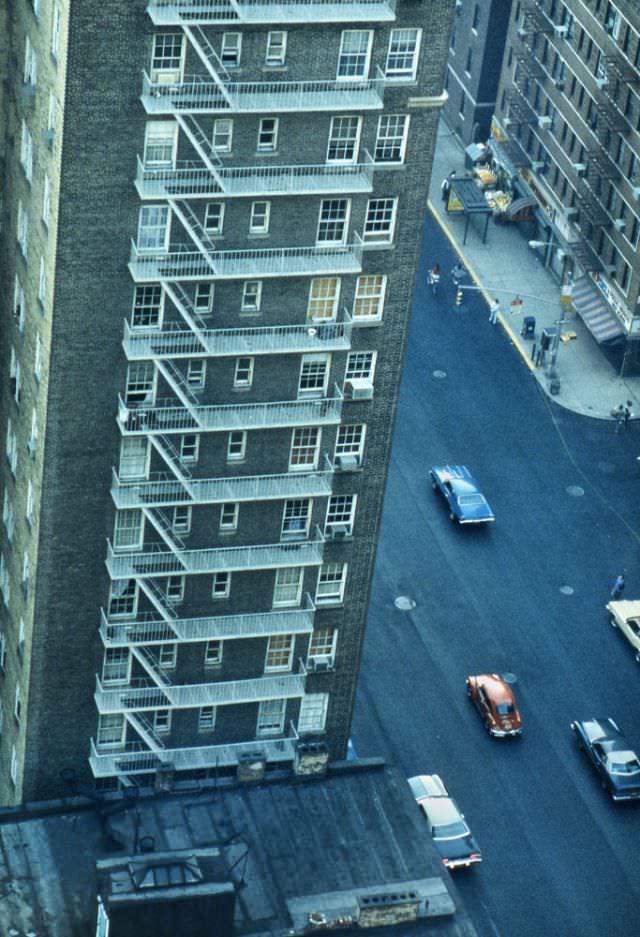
611, 755
467, 504
449, 830
496, 703
625, 615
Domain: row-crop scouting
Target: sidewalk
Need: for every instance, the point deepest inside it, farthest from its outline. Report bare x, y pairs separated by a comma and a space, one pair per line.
505, 266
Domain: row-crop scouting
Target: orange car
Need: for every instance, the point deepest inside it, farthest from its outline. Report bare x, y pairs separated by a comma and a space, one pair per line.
496, 703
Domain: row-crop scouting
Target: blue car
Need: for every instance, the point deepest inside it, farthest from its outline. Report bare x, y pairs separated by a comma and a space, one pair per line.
467, 504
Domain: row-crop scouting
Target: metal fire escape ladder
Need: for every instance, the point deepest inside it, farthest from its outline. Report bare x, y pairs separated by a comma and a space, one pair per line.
201, 144
196, 230
147, 659
176, 381
158, 599
164, 446
210, 59
163, 526
184, 304
145, 730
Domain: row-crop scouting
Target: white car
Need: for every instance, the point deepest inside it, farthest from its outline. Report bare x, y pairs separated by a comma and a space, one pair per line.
625, 615
451, 835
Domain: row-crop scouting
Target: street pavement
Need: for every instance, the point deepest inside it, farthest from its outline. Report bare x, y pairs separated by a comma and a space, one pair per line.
506, 267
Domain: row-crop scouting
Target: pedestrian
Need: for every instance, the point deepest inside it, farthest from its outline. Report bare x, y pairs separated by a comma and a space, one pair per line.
457, 274
618, 587
494, 309
627, 414
434, 278
445, 188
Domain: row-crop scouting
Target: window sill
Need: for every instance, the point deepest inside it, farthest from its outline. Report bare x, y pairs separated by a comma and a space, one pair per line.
267, 153
365, 323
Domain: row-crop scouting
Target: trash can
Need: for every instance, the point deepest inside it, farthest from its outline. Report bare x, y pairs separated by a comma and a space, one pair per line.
528, 329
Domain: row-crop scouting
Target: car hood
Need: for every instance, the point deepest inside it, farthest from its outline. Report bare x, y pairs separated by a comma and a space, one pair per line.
478, 509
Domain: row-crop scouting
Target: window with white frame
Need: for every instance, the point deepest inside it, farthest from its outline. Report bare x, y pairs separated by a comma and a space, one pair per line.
236, 445
229, 512
222, 138
162, 721
213, 653
279, 652
3, 660
243, 373
55, 31
203, 299
296, 518
333, 221
355, 53
13, 768
287, 589
30, 500
175, 589
271, 714
36, 7
111, 730
402, 57
344, 137
267, 134
17, 703
33, 438
30, 73
324, 294
12, 448
7, 515
221, 586
214, 217
322, 646
231, 49
251, 295
5, 587
350, 441
167, 57
134, 457
332, 578
196, 373
259, 219
206, 718
181, 522
361, 365
380, 220
18, 304
51, 112
21, 637
42, 283
168, 656
160, 144
276, 53
25, 572
128, 529
368, 302
23, 230
46, 200
314, 375
391, 138
341, 512
153, 228
116, 665
123, 598
141, 381
305, 448
15, 376
189, 448
147, 306
26, 151
313, 712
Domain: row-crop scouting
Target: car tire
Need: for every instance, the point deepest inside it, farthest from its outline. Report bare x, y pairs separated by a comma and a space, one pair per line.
452, 516
433, 485
612, 622
638, 656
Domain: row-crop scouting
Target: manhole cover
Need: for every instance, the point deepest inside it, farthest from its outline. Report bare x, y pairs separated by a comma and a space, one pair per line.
607, 467
575, 491
440, 374
509, 677
566, 590
404, 603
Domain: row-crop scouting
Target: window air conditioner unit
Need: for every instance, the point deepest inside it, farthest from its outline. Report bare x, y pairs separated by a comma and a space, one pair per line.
347, 463
571, 213
31, 448
360, 388
619, 224
315, 665
506, 121
338, 532
561, 31
544, 122
522, 33
559, 83
601, 82
580, 168
537, 165
636, 193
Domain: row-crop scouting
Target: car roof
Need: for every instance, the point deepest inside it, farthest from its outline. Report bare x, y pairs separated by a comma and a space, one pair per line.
440, 810
427, 785
496, 687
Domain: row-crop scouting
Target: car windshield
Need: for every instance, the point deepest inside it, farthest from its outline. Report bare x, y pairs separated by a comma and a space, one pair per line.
454, 830
504, 709
471, 499
624, 763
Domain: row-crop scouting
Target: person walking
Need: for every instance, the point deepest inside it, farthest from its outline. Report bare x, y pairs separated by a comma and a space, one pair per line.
445, 188
494, 309
618, 587
434, 278
627, 413
457, 274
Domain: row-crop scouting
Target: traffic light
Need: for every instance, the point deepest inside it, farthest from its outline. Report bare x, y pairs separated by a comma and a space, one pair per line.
459, 295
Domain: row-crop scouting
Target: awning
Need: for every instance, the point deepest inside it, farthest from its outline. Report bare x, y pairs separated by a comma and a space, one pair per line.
595, 311
527, 201
501, 156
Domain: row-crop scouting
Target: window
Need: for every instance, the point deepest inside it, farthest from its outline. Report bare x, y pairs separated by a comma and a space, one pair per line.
331, 582
222, 135
313, 712
12, 448
21, 637
287, 589
153, 228
7, 515
147, 307
55, 31
237, 445
276, 47
344, 136
51, 112
162, 721
128, 530
46, 200
140, 387
33, 438
380, 220
15, 382
213, 653
160, 142
391, 140
333, 221
324, 294
196, 373
116, 665
259, 222
305, 447
296, 518
355, 51
37, 359
268, 135
203, 299
206, 718
181, 523
469, 61
13, 769
29, 507
402, 57
476, 16
168, 656
175, 589
26, 151
271, 717
251, 295
18, 305
323, 645
243, 375
3, 660
221, 585
368, 302
5, 587
30, 64
166, 57
279, 652
340, 513
229, 515
111, 731
189, 447
231, 49
314, 374
134, 457
23, 230
360, 366
214, 217
123, 598
25, 572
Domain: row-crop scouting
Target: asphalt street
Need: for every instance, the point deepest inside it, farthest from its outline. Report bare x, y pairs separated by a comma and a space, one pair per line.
527, 596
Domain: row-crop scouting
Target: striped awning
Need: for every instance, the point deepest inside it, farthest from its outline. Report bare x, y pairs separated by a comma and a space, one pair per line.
526, 201
594, 311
